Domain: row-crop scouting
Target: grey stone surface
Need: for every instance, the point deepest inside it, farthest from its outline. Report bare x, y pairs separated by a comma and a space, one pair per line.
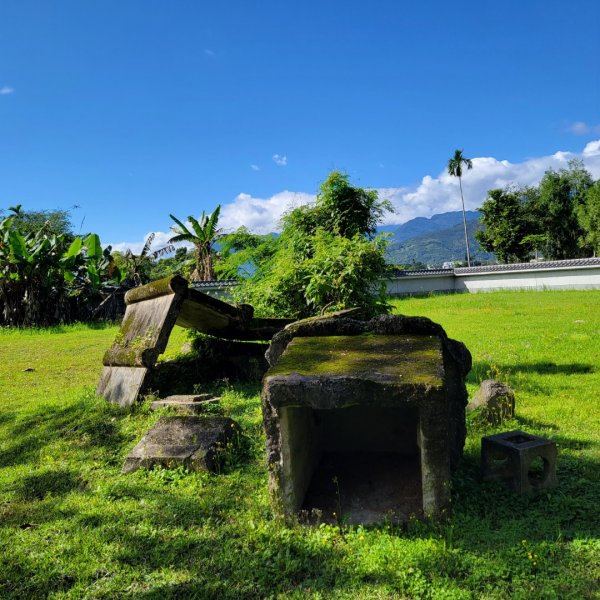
341, 391
122, 385
194, 442
149, 318
495, 400
193, 404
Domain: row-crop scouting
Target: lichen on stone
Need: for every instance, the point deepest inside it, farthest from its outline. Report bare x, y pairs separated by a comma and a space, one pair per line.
412, 359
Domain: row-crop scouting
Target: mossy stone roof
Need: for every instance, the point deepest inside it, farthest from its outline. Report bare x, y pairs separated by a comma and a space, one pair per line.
399, 359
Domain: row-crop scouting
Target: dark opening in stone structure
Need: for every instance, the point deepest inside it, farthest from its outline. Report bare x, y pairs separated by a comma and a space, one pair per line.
369, 464
364, 419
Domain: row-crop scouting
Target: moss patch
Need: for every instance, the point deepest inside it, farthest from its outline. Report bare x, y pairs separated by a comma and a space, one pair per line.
154, 289
409, 358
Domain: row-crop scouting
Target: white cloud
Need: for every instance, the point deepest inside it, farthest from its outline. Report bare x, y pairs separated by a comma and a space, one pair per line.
280, 160
433, 195
592, 150
255, 167
161, 239
441, 194
5, 90
260, 215
582, 128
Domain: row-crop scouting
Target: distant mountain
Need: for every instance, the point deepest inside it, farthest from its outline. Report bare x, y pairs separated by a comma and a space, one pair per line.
435, 240
423, 225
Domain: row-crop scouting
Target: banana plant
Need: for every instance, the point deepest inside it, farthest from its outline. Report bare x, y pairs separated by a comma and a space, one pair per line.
40, 271
203, 236
136, 265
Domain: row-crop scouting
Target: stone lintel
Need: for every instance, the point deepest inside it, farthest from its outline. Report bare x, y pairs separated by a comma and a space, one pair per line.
322, 392
339, 371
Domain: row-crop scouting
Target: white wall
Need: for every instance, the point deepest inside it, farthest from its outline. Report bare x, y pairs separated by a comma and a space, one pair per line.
556, 279
421, 284
534, 277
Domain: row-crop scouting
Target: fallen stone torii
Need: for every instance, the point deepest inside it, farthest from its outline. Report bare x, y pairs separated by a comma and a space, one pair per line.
151, 313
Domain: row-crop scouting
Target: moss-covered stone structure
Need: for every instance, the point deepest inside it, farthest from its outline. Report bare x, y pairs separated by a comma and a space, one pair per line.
364, 419
151, 313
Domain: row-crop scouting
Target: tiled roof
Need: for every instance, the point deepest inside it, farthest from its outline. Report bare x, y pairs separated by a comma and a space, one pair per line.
214, 283
549, 264
423, 272
536, 266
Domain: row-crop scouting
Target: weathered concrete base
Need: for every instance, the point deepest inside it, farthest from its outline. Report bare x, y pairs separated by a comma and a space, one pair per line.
511, 458
185, 404
194, 442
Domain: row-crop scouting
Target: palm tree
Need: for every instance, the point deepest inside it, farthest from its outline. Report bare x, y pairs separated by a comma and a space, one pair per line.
455, 170
203, 237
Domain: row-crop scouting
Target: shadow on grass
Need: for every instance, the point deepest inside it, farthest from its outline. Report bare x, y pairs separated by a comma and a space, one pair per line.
504, 373
55, 482
488, 527
70, 328
550, 368
87, 424
21, 577
563, 442
231, 547
569, 510
188, 373
486, 370
7, 417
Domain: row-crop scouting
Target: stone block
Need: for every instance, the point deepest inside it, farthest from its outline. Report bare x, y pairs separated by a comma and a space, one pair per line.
523, 461
194, 442
185, 404
495, 400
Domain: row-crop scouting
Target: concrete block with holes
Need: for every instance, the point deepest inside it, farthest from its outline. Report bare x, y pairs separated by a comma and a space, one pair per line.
525, 462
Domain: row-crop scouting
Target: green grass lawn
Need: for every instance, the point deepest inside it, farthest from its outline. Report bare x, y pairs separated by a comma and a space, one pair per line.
72, 526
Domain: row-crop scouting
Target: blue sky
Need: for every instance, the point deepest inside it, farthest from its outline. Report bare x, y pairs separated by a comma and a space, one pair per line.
135, 109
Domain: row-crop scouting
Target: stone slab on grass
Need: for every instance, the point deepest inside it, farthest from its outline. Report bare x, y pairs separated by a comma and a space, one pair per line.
193, 404
193, 442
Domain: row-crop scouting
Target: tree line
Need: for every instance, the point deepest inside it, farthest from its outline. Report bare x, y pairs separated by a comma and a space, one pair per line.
327, 256
49, 275
557, 219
